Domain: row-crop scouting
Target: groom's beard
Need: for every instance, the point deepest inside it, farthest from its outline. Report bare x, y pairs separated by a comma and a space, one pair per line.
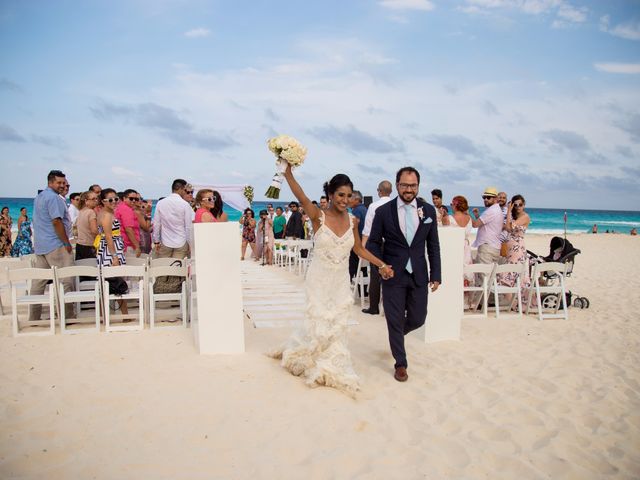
407, 197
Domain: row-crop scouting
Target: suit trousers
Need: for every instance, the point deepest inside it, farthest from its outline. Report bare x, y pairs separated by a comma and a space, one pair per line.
405, 308
374, 289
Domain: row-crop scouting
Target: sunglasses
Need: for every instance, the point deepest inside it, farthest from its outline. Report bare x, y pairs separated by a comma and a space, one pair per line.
208, 199
112, 200
189, 192
133, 199
518, 205
487, 197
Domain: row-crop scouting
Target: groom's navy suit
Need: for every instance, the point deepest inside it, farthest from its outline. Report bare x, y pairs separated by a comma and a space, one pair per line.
405, 295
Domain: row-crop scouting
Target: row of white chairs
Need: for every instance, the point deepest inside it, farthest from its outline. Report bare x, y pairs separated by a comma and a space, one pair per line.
289, 253
489, 284
92, 286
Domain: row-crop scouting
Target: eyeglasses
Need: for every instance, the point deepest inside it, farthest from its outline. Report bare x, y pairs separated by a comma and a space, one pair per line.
407, 186
487, 197
518, 205
112, 200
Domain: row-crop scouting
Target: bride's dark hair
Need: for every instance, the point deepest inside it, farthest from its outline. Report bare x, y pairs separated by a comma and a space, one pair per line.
339, 180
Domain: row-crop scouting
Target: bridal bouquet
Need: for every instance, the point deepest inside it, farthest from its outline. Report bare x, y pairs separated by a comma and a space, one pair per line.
287, 151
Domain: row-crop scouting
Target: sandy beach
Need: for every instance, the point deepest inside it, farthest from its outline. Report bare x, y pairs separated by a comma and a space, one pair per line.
515, 398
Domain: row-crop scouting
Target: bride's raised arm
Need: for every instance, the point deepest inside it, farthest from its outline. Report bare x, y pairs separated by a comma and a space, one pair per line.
309, 208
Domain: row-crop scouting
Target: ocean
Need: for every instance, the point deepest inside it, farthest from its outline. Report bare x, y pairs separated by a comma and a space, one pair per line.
543, 220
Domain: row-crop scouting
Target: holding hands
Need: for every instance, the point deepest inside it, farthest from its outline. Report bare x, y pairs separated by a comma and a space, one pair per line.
386, 271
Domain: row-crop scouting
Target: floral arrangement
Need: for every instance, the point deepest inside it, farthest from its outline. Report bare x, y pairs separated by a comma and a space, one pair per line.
287, 151
248, 193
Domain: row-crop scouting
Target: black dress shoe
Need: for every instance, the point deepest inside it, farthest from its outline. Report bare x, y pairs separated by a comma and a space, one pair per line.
370, 312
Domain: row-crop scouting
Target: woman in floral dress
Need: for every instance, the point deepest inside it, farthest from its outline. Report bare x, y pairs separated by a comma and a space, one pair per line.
23, 244
516, 225
5, 232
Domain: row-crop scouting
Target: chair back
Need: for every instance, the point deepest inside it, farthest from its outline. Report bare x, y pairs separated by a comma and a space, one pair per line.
510, 268
21, 274
10, 263
167, 262
88, 262
167, 271
123, 271
482, 268
142, 260
77, 271
554, 267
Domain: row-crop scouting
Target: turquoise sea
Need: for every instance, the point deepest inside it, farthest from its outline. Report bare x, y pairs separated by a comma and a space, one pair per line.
543, 220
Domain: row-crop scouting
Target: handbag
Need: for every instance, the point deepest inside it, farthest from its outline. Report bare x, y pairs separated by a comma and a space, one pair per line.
117, 286
504, 249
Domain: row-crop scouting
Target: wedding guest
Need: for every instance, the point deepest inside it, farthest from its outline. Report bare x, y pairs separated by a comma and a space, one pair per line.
97, 189
74, 201
172, 222
359, 211
287, 213
23, 245
6, 222
111, 250
441, 213
87, 226
146, 243
504, 237
204, 204
384, 195
217, 209
248, 223
130, 217
295, 225
517, 223
324, 203
265, 235
461, 218
270, 211
489, 226
279, 223
51, 241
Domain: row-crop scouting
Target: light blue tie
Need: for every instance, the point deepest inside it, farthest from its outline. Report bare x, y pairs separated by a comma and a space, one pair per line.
409, 231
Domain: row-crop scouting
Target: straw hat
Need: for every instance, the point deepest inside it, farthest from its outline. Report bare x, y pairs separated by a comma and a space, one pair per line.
490, 192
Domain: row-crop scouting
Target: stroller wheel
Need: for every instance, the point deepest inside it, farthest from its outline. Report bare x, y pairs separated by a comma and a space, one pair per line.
550, 302
585, 302
578, 303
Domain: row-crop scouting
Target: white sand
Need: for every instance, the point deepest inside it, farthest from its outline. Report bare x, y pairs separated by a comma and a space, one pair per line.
516, 398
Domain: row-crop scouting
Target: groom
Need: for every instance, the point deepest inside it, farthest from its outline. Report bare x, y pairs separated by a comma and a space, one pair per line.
405, 225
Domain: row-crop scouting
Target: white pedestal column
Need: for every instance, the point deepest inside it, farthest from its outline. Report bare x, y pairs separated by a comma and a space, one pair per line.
446, 307
216, 299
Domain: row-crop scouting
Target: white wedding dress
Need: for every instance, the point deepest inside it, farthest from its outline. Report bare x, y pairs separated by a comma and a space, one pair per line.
318, 351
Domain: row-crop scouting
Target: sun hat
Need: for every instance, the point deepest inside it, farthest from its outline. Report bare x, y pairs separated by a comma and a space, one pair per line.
490, 192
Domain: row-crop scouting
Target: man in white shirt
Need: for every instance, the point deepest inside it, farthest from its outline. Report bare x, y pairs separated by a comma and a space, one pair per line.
172, 222
74, 201
489, 226
384, 194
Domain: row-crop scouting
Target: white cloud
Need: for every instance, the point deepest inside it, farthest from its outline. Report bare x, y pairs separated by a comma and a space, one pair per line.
425, 5
629, 30
628, 68
198, 32
573, 14
567, 13
124, 172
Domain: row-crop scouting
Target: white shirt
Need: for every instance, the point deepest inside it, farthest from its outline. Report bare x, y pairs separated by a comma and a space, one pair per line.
172, 222
491, 229
73, 213
402, 215
371, 213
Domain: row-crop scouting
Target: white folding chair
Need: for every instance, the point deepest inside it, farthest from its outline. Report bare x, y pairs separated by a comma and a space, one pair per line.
137, 276
485, 272
16, 277
278, 251
303, 262
291, 253
360, 281
497, 289
167, 262
181, 296
79, 295
555, 295
12, 263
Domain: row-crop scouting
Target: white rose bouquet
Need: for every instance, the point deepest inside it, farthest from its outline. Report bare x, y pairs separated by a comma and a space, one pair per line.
287, 151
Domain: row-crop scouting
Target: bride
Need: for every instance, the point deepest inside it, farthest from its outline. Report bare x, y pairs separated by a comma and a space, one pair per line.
318, 351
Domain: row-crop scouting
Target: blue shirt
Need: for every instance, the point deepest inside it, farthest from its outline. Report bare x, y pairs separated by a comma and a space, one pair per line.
360, 212
48, 206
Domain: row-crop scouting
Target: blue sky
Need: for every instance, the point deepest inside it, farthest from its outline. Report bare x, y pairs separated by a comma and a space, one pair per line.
538, 97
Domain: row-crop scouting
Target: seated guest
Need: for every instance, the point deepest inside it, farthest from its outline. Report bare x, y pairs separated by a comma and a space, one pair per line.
87, 226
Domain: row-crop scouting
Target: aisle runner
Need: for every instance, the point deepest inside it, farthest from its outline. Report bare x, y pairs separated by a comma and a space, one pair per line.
271, 296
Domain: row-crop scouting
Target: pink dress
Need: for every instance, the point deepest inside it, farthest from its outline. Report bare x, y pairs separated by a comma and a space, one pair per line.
517, 253
201, 211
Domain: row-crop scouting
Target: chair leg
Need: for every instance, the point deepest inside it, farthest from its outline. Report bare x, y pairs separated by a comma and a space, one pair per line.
14, 311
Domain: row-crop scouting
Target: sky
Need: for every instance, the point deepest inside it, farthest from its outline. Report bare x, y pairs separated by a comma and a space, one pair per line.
535, 97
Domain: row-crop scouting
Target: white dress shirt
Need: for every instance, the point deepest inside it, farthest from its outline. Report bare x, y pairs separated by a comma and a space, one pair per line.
402, 212
371, 213
172, 222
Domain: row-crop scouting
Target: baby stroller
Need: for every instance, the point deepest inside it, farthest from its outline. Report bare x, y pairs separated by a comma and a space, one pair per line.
560, 250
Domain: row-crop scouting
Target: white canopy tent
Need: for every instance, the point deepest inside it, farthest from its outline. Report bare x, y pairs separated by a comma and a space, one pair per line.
232, 195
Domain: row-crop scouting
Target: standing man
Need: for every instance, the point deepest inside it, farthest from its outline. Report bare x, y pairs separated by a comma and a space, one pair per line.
324, 202
279, 222
360, 212
172, 222
295, 225
384, 194
51, 242
489, 226
74, 200
406, 226
502, 202
131, 219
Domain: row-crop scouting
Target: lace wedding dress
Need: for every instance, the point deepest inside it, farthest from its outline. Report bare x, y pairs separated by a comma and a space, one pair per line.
318, 351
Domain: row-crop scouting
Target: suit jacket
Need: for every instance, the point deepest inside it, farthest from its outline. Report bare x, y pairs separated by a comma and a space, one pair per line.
295, 226
386, 232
